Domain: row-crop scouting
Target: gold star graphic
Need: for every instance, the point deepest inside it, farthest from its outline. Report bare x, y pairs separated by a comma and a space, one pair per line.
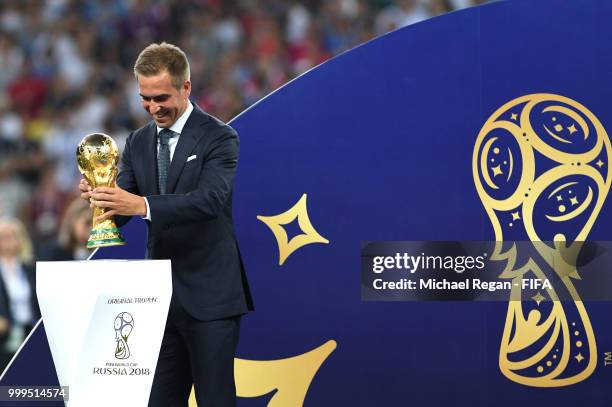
497, 170
514, 116
599, 163
516, 215
309, 235
573, 200
559, 198
579, 357
538, 298
572, 129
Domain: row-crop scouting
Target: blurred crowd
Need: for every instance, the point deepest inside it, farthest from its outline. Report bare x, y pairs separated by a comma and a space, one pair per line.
66, 71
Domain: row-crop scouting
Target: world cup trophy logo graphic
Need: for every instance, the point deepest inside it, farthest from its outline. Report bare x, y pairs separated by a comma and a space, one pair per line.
124, 323
97, 158
541, 166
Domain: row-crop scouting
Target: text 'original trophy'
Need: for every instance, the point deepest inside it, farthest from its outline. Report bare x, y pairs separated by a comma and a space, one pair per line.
97, 158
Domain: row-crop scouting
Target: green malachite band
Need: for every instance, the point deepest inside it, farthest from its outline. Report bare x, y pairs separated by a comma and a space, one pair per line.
116, 241
110, 230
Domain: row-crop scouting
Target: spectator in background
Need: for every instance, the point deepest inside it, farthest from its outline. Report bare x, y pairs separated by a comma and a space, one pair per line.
437, 7
47, 205
73, 235
18, 303
399, 14
11, 60
20, 163
65, 72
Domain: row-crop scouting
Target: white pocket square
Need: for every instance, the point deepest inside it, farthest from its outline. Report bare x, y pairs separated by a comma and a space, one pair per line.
191, 157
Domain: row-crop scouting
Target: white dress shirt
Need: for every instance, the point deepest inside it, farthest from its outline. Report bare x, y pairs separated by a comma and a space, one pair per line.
177, 129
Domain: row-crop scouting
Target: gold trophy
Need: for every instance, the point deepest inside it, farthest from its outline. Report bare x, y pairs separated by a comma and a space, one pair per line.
97, 158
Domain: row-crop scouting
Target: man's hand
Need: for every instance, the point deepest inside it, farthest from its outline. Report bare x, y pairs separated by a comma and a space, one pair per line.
85, 189
118, 201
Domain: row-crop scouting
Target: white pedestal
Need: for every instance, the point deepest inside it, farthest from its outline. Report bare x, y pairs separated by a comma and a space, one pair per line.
105, 321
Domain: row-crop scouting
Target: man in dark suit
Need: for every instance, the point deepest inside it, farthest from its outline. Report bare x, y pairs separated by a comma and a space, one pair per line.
177, 172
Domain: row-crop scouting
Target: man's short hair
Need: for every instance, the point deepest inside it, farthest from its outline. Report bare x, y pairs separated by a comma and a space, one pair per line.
157, 58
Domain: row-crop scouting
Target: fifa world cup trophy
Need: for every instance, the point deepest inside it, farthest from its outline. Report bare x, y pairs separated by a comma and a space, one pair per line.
97, 158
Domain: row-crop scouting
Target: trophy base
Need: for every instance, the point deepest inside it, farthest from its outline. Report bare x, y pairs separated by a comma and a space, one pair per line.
105, 238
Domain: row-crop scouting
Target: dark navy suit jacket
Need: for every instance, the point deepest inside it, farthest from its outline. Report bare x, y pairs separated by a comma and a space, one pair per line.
192, 223
5, 305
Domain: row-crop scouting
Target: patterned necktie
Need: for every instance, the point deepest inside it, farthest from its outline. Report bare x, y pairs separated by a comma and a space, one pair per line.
163, 159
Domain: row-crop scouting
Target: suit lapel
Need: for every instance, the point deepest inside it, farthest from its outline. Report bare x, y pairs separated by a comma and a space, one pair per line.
187, 141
